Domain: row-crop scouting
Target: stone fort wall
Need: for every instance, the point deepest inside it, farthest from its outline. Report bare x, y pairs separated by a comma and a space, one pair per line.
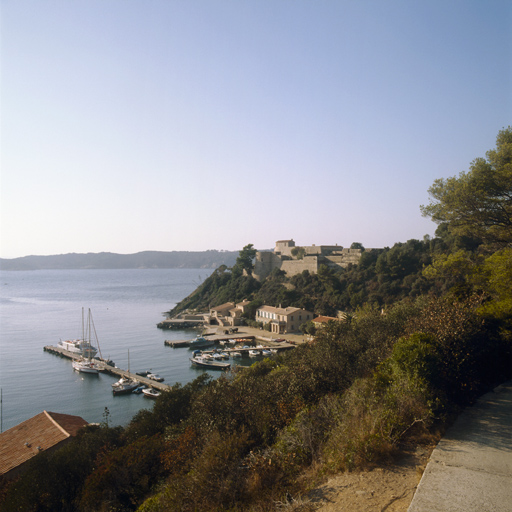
311, 258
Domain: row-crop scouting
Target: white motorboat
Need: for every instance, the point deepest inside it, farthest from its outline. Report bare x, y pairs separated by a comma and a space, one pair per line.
200, 341
266, 353
85, 366
254, 353
209, 363
78, 347
155, 377
125, 385
151, 393
236, 354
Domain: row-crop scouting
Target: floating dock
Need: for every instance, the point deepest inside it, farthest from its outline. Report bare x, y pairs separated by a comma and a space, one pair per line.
216, 338
111, 370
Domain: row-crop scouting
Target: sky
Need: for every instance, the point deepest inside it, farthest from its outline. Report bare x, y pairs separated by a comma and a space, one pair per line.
175, 125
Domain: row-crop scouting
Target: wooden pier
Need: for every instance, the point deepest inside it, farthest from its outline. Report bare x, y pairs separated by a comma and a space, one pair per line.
111, 370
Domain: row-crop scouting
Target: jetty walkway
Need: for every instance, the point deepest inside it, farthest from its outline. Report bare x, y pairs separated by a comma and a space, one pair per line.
111, 370
248, 336
215, 338
470, 470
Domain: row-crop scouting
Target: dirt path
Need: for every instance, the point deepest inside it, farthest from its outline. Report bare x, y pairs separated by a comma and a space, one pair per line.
385, 489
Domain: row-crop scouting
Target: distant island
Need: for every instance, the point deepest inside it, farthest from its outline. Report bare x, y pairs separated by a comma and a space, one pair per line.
108, 260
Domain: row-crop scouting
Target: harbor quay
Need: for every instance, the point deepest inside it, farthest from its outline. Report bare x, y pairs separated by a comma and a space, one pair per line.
111, 370
247, 336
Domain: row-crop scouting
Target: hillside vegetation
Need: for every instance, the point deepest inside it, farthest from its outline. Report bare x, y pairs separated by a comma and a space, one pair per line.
429, 330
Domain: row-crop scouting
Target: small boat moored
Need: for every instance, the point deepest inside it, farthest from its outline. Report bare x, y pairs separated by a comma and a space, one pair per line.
151, 393
209, 363
200, 341
155, 377
85, 366
124, 386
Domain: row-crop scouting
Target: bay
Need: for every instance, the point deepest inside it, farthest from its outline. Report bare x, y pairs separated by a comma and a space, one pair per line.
38, 308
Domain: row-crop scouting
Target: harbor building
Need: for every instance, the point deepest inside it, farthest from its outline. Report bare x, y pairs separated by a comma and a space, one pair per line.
283, 320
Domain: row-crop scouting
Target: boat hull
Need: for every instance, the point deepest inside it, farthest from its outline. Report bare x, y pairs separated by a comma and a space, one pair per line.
124, 390
200, 342
79, 347
150, 393
85, 367
125, 386
211, 364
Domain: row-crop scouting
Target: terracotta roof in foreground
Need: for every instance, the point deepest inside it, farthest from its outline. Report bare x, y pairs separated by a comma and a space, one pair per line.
39, 433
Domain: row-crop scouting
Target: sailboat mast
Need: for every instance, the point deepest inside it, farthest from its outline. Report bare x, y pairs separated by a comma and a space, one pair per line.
83, 325
96, 336
89, 333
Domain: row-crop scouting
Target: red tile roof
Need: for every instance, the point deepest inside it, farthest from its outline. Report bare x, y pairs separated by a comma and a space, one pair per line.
280, 311
41, 432
227, 305
323, 319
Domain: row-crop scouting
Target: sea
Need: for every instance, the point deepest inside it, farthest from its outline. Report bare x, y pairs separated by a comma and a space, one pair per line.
41, 307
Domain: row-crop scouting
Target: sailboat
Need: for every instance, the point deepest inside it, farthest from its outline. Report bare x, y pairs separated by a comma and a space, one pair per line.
85, 364
125, 384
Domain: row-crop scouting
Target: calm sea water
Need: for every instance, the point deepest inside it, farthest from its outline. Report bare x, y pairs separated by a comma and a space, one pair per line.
39, 308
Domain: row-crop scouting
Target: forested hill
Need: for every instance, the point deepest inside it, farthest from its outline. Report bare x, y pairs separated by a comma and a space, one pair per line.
108, 260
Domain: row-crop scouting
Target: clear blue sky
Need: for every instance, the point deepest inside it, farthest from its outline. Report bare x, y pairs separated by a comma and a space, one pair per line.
193, 125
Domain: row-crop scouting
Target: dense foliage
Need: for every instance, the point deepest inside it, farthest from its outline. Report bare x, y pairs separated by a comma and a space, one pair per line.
430, 330
478, 203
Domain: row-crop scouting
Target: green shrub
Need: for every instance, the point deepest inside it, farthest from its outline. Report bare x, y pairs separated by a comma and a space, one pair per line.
375, 416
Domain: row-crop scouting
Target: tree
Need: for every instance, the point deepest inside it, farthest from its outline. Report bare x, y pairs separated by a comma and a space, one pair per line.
478, 203
298, 252
245, 258
495, 276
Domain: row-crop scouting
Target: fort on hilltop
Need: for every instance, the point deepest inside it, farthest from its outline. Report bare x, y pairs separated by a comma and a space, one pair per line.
294, 259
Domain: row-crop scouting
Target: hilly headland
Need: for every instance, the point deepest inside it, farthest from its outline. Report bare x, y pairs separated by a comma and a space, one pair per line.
109, 260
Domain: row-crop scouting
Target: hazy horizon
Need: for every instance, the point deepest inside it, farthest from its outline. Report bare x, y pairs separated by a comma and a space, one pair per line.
187, 126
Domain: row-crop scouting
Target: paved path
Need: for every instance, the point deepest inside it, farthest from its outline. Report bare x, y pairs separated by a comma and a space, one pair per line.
470, 470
